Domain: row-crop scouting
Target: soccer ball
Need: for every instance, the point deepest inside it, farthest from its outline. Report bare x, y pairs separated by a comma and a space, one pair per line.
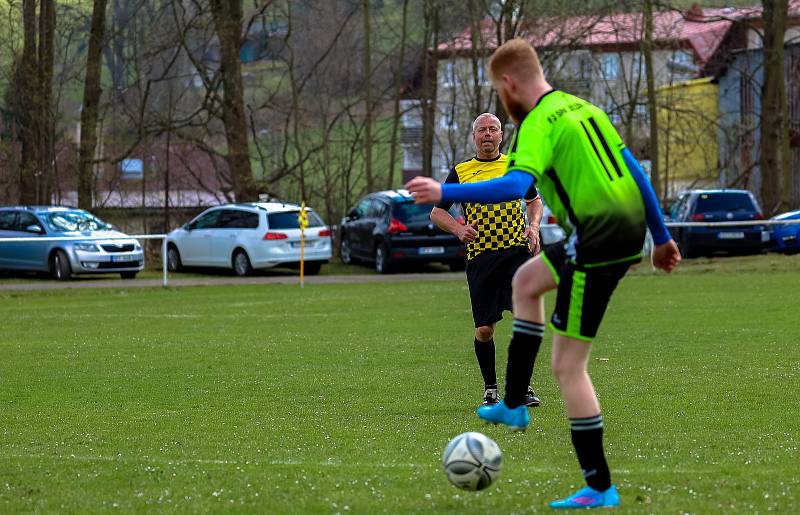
472, 461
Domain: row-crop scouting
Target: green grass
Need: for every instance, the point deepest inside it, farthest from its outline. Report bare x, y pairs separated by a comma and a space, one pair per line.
340, 398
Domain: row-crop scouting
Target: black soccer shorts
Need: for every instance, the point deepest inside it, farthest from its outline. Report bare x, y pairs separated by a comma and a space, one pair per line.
583, 293
489, 277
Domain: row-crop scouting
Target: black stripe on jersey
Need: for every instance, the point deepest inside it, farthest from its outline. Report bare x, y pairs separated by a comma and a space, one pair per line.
605, 146
594, 147
562, 194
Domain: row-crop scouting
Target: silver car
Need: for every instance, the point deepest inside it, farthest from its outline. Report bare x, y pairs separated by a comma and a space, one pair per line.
93, 247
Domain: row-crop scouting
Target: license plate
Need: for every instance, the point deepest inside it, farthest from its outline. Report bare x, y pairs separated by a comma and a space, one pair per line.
119, 259
431, 250
731, 235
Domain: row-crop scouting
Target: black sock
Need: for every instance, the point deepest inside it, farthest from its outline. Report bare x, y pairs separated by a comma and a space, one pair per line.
484, 351
587, 437
525, 342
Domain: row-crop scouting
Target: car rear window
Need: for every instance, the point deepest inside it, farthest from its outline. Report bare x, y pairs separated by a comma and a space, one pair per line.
709, 202
409, 213
290, 220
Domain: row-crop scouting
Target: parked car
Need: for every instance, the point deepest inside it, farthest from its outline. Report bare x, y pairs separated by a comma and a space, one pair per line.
386, 228
786, 238
251, 236
65, 257
718, 206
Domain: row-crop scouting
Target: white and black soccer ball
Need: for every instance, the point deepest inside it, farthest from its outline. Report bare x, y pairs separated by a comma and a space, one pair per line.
472, 461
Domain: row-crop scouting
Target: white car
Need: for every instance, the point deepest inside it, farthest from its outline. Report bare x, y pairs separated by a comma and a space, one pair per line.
249, 236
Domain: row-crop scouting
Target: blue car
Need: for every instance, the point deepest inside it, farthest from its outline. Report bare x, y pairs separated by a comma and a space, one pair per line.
722, 205
63, 258
786, 238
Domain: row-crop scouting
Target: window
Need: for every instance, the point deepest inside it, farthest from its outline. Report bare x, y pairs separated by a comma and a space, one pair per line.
237, 219
483, 77
207, 221
291, 220
448, 120
408, 212
683, 58
25, 220
610, 66
362, 208
7, 220
637, 64
449, 74
377, 209
68, 221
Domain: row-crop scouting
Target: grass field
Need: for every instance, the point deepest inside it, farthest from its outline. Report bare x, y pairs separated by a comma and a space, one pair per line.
341, 398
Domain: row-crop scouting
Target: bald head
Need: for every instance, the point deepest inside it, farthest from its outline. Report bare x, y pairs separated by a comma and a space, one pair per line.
489, 118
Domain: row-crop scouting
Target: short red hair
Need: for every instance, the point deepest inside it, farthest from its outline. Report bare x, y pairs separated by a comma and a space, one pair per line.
518, 58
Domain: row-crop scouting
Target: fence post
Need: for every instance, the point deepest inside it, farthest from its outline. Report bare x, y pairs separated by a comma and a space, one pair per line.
164, 259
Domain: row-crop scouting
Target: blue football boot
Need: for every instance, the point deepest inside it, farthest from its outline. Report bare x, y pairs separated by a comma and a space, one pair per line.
517, 419
588, 497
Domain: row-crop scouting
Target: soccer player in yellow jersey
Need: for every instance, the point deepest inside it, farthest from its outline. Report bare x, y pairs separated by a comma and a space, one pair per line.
499, 240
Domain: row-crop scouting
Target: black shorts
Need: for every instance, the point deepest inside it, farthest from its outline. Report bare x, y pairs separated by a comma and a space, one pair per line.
583, 292
489, 277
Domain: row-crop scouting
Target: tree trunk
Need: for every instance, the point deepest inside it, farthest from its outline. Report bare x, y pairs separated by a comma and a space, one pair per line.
47, 22
367, 98
29, 111
91, 100
228, 23
429, 85
475, 44
647, 47
775, 157
398, 86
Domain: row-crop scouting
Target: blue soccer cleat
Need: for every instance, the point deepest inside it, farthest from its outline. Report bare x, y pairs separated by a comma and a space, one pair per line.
588, 497
515, 418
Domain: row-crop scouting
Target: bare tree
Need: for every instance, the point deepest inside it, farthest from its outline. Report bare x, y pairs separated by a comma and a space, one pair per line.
228, 21
775, 161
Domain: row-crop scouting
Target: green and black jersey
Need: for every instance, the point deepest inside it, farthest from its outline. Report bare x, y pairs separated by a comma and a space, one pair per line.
575, 153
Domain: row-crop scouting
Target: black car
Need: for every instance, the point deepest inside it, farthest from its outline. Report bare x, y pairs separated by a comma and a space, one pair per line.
718, 206
388, 229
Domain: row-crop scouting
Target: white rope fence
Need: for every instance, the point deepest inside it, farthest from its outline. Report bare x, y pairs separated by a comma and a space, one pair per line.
164, 257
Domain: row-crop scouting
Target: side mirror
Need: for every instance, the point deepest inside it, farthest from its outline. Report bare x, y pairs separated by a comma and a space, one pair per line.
352, 214
187, 227
34, 229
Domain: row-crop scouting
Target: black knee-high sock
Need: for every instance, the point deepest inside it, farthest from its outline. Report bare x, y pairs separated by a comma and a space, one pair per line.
525, 342
587, 437
484, 351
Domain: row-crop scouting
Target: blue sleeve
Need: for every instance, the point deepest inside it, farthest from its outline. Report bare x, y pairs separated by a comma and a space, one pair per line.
513, 185
452, 178
655, 220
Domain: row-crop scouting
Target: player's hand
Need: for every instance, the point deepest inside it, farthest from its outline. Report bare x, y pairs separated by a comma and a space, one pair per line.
666, 256
425, 190
532, 232
467, 233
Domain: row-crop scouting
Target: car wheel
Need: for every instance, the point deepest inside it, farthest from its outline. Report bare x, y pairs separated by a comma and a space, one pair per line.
312, 268
128, 275
345, 254
457, 266
382, 263
59, 266
174, 263
241, 263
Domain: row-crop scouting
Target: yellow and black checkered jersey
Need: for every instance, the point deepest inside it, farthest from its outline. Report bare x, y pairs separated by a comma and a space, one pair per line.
499, 226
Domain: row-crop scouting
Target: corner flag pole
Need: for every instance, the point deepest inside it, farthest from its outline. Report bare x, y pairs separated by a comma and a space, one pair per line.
303, 219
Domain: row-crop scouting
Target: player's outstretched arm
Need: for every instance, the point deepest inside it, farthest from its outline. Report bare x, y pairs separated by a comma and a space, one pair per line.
666, 255
513, 185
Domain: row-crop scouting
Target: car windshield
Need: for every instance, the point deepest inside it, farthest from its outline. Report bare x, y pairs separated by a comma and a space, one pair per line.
409, 213
75, 221
290, 220
709, 202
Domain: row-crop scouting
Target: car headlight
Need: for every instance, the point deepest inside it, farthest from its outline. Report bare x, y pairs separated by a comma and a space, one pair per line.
136, 246
86, 247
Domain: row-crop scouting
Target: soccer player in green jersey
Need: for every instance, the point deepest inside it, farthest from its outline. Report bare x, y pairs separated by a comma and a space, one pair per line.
600, 195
